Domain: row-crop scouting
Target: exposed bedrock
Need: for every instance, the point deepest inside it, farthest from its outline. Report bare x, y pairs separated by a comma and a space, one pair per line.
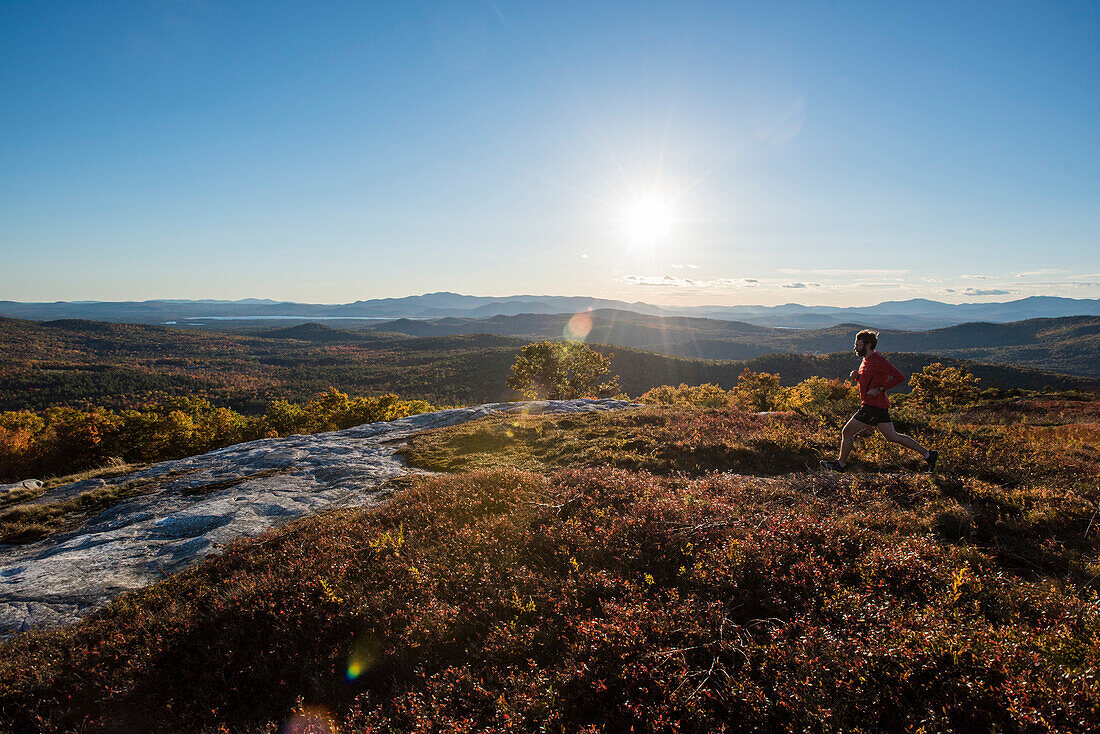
192, 506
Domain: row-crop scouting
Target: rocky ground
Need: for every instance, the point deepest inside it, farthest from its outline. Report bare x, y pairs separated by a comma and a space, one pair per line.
188, 508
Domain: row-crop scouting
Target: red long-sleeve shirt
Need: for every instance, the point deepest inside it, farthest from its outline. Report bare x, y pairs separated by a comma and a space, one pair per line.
875, 371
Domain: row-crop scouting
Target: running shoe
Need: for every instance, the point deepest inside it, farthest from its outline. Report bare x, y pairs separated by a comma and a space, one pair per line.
930, 462
834, 466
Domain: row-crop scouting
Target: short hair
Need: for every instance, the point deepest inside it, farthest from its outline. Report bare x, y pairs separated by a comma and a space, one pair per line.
868, 337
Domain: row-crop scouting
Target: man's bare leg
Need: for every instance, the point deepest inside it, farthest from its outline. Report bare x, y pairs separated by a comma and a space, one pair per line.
848, 435
888, 432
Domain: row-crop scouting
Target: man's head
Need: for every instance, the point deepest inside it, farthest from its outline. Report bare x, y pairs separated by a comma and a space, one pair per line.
866, 342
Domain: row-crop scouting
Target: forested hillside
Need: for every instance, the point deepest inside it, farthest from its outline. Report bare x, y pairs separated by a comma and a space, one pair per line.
1070, 344
87, 363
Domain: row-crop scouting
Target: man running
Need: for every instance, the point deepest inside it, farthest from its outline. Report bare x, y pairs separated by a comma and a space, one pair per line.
875, 376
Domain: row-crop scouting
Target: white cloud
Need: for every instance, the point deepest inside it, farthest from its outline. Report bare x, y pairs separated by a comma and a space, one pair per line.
1044, 271
1061, 284
801, 285
858, 271
681, 267
845, 271
584, 256
672, 281
975, 277
986, 292
657, 280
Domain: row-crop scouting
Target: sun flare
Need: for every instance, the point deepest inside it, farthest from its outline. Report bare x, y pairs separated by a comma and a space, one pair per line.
648, 219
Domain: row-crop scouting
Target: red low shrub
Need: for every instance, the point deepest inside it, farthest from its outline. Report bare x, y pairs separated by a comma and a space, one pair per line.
590, 600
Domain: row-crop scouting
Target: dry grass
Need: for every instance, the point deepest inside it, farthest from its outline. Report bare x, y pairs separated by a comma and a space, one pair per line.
26, 523
114, 468
654, 439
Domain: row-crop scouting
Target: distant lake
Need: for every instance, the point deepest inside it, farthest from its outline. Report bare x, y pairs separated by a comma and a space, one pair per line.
284, 318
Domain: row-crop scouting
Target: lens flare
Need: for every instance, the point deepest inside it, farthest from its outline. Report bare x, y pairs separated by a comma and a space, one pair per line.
578, 327
364, 653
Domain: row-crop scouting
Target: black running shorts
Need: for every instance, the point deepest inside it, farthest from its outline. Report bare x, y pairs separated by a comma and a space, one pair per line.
872, 415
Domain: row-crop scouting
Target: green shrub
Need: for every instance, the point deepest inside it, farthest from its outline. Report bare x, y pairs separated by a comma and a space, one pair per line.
940, 389
700, 396
61, 441
819, 396
561, 370
756, 391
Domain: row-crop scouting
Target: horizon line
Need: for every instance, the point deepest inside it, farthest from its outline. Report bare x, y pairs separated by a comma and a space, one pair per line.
527, 295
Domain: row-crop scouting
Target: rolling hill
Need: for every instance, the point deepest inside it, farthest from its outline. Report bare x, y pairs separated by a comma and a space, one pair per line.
1070, 344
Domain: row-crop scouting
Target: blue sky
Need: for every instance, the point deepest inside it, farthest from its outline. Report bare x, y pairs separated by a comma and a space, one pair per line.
724, 153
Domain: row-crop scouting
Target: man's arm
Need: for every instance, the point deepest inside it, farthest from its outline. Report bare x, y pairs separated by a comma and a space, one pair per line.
892, 375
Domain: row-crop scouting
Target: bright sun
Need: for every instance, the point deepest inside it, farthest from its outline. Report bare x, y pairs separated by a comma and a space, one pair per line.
648, 219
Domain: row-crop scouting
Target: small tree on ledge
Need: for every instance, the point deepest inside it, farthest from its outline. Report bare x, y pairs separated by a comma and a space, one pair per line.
561, 371
939, 389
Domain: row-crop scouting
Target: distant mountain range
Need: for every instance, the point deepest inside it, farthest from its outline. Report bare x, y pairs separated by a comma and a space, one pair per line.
915, 314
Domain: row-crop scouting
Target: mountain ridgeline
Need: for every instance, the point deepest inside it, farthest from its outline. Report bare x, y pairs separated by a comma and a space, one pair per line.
917, 313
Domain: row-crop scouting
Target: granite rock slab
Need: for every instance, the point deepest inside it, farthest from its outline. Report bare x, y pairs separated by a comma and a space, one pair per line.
191, 507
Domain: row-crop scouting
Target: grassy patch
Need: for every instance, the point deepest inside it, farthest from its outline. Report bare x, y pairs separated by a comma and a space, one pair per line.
113, 468
666, 440
658, 440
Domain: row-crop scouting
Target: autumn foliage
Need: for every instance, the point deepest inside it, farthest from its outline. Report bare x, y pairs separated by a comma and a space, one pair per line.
678, 567
761, 392
61, 441
938, 388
